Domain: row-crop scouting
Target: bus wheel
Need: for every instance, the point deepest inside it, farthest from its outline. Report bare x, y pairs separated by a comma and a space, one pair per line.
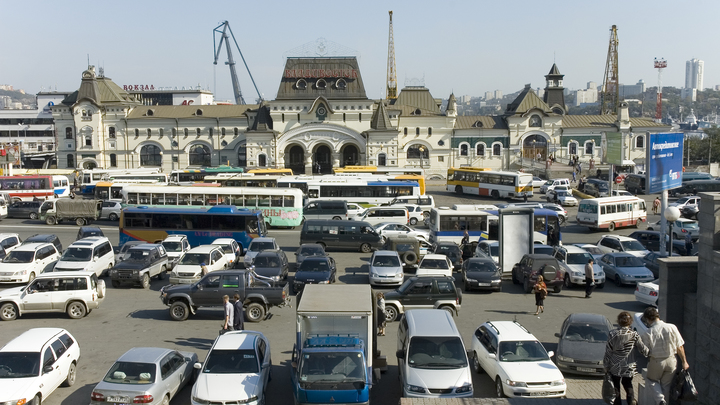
494, 194
458, 190
611, 227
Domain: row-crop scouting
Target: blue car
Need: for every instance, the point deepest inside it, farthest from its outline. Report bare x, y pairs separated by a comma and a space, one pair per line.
624, 268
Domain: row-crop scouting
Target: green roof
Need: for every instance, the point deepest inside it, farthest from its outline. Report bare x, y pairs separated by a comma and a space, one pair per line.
480, 121
191, 111
417, 98
605, 121
526, 101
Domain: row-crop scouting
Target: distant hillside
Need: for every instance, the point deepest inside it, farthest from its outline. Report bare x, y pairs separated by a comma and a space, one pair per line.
28, 99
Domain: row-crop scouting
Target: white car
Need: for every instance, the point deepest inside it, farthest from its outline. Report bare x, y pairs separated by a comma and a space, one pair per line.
257, 245
562, 196
387, 229
416, 214
9, 241
537, 182
88, 254
27, 261
236, 370
551, 184
622, 193
175, 246
231, 249
684, 201
489, 248
617, 243
111, 210
355, 210
575, 259
35, 363
435, 265
516, 361
189, 268
597, 252
648, 293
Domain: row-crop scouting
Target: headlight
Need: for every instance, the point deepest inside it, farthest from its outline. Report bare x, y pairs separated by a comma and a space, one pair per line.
558, 382
200, 401
577, 273
113, 272
324, 282
625, 276
251, 399
565, 359
515, 383
373, 274
15, 402
400, 274
463, 389
276, 278
415, 388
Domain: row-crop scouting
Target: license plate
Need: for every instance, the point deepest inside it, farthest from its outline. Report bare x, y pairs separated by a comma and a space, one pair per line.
4, 278
586, 370
185, 281
484, 284
538, 394
117, 399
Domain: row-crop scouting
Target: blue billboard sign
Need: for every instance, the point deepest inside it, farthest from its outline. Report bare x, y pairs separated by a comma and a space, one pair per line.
664, 162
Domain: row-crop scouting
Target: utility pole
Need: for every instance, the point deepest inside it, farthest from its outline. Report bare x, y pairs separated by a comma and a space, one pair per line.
660, 64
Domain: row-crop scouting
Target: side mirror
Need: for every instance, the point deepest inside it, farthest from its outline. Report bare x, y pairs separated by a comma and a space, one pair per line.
400, 354
197, 366
96, 258
492, 356
212, 262
551, 353
293, 365
557, 335
47, 369
200, 286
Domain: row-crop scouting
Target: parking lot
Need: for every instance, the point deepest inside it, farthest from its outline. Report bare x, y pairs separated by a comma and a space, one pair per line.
132, 317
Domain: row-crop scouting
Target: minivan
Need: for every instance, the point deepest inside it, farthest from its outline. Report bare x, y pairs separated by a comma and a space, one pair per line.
89, 254
426, 202
393, 214
24, 209
432, 360
692, 176
635, 183
326, 210
351, 235
596, 188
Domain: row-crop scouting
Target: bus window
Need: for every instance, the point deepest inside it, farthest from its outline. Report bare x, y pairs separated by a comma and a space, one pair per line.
250, 201
276, 201
263, 201
540, 225
197, 199
289, 201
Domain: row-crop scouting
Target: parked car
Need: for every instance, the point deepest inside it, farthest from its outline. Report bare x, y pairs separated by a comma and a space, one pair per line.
621, 193
596, 187
272, 263
45, 238
353, 235
561, 211
230, 248
308, 250
36, 363
617, 243
530, 266
389, 229
9, 241
541, 249
423, 292
144, 262
175, 246
537, 182
148, 375
240, 356
624, 268
189, 268
24, 209
452, 251
575, 259
690, 211
315, 270
75, 293
635, 183
561, 196
90, 254
27, 261
354, 210
435, 265
385, 268
597, 252
256, 246
111, 210
552, 183
651, 241
516, 361
490, 248
651, 262
426, 202
416, 214
581, 347
122, 253
88, 231
685, 201
648, 293
481, 273
680, 228
377, 215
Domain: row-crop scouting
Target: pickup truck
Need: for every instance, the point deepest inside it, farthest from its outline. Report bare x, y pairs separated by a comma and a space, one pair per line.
144, 261
258, 294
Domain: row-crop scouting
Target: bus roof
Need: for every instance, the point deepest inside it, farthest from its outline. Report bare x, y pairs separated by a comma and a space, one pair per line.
607, 200
219, 169
471, 169
217, 209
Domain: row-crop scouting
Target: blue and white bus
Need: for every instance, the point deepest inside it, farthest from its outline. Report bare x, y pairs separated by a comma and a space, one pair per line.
200, 225
450, 224
366, 192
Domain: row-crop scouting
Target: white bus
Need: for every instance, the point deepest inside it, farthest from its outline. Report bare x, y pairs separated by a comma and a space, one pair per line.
478, 181
611, 212
450, 224
366, 192
90, 177
280, 207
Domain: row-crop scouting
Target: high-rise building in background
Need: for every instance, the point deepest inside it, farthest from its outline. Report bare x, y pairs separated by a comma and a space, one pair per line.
694, 74
498, 94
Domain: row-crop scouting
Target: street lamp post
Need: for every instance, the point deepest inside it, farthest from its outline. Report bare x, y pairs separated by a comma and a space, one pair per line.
671, 215
422, 153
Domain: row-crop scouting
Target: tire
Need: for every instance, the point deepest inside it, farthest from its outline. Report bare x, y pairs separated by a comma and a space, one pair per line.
72, 375
179, 311
413, 221
514, 279
33, 215
557, 289
458, 190
36, 400
145, 281
391, 313
494, 194
611, 227
336, 218
115, 283
526, 285
466, 286
617, 281
365, 248
499, 388
476, 364
567, 282
409, 257
255, 312
50, 221
161, 275
448, 309
166, 400
8, 312
76, 310
31, 277
79, 221
113, 216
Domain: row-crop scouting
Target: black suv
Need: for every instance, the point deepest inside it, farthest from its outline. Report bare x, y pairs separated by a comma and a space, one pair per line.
651, 241
423, 292
532, 265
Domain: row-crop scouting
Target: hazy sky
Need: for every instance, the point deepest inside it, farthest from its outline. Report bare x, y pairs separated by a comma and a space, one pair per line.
468, 47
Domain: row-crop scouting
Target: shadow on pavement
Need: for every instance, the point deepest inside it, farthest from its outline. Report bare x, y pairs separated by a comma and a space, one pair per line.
197, 343
156, 314
630, 306
79, 396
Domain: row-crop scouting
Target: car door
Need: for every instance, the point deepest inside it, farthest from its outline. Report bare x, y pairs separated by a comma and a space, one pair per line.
207, 291
219, 258
50, 374
65, 288
63, 359
230, 284
484, 350
170, 379
37, 295
609, 266
419, 295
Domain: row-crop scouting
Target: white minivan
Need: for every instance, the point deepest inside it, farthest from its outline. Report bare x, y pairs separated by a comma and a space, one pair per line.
431, 356
88, 254
394, 214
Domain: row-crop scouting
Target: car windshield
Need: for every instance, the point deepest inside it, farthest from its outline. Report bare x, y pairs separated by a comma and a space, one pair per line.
525, 350
231, 362
76, 254
578, 258
173, 246
266, 261
494, 250
386, 261
311, 251
228, 249
19, 364
138, 255
314, 265
586, 332
258, 246
632, 245
22, 256
682, 200
549, 182
124, 372
690, 225
594, 250
628, 261
434, 264
332, 367
195, 259
127, 246
436, 352
543, 250
481, 266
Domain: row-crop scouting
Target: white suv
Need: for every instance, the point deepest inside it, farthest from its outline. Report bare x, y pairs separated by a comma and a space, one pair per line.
89, 254
517, 362
617, 243
35, 363
230, 248
256, 246
175, 246
9, 241
27, 261
551, 184
189, 268
575, 259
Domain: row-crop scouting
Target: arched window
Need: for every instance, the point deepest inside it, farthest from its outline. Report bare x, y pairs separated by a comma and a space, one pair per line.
222, 131
70, 161
111, 132
242, 156
197, 131
496, 149
113, 160
640, 141
262, 160
535, 121
418, 151
405, 131
68, 133
211, 131
174, 132
137, 132
464, 149
150, 156
199, 155
186, 132
589, 148
236, 131
149, 132
480, 149
417, 131
161, 132
382, 159
572, 148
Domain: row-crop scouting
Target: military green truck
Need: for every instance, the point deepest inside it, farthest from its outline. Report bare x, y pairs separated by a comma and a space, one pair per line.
82, 212
410, 249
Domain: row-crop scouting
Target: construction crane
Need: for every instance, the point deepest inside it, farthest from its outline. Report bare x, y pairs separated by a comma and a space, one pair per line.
611, 84
391, 74
217, 46
660, 64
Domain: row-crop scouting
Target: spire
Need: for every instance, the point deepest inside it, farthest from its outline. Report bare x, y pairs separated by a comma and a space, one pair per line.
554, 71
554, 95
451, 110
380, 119
89, 87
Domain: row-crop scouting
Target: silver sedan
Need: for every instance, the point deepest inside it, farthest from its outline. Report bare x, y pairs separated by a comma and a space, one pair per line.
148, 375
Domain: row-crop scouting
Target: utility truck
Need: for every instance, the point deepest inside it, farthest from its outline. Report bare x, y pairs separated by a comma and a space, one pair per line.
82, 212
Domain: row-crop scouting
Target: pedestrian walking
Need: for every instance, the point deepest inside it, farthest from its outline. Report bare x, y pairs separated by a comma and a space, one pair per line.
381, 319
229, 314
656, 205
688, 244
573, 176
465, 239
589, 277
579, 167
665, 342
540, 290
525, 197
238, 313
619, 361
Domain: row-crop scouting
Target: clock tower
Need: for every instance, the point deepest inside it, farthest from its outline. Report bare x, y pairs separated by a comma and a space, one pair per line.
554, 95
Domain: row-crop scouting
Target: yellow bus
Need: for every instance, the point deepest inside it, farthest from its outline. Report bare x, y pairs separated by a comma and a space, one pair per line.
479, 181
271, 172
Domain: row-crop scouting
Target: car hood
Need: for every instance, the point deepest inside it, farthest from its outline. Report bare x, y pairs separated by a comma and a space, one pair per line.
268, 271
226, 387
597, 270
11, 292
385, 271
532, 371
16, 388
188, 268
178, 289
14, 266
312, 276
483, 276
635, 271
60, 265
584, 351
131, 265
638, 253
439, 378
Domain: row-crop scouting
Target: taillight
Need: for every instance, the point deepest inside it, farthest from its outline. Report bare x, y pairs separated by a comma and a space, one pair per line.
143, 399
96, 396
683, 230
653, 293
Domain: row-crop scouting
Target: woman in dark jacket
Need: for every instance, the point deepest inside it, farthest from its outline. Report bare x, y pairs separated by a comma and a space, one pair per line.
618, 360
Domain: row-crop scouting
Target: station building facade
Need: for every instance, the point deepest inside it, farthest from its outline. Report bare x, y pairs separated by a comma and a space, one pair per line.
322, 119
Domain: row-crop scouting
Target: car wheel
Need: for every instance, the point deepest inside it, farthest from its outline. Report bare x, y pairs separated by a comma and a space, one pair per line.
458, 190
179, 311
36, 400
494, 194
336, 218
72, 373
499, 388
618, 282
466, 286
567, 282
76, 310
611, 227
113, 216
31, 277
8, 312
365, 248
514, 279
391, 313
413, 221
557, 289
50, 220
448, 309
255, 312
166, 400
476, 364
33, 215
115, 283
561, 220
79, 221
145, 281
161, 275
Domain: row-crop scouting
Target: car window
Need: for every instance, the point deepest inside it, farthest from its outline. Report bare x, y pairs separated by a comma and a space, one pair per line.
261, 350
211, 281
445, 286
421, 287
67, 340
48, 358
58, 347
176, 361
230, 281
165, 368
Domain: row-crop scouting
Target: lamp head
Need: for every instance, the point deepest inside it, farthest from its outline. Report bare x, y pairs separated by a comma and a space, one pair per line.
672, 214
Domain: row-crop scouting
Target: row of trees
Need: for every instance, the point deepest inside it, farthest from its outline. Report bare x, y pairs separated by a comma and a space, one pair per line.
699, 150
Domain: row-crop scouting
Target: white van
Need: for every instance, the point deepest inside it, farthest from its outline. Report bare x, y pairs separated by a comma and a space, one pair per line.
552, 183
611, 212
393, 214
426, 202
89, 254
431, 356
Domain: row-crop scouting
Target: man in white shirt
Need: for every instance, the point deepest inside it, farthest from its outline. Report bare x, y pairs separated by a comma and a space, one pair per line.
229, 314
664, 341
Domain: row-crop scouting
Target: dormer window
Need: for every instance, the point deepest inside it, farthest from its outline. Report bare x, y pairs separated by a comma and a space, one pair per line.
301, 84
535, 121
477, 124
321, 84
198, 112
416, 112
150, 113
340, 84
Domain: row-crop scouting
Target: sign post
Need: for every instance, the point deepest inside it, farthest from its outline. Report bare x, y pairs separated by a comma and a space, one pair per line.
664, 171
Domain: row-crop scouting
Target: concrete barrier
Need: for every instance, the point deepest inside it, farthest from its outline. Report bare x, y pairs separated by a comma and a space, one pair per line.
581, 195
